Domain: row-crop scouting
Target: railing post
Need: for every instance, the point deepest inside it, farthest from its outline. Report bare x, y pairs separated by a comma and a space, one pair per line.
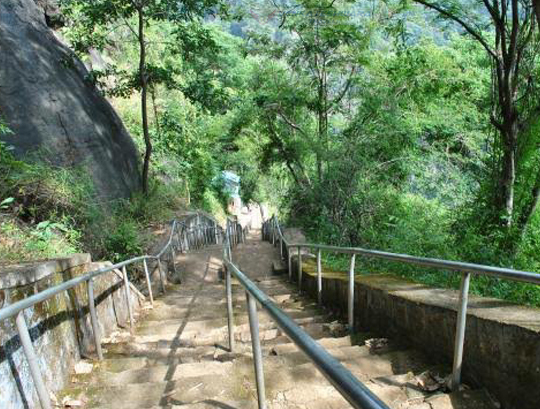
148, 282
161, 275
173, 259
460, 330
30, 354
230, 317
183, 237
256, 347
229, 247
351, 293
319, 277
289, 256
94, 319
128, 296
280, 248
178, 242
197, 229
299, 268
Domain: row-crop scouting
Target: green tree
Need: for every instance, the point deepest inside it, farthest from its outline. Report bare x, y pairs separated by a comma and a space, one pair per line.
97, 20
304, 81
506, 30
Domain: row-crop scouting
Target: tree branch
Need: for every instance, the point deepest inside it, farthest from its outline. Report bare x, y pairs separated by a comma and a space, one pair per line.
462, 23
289, 122
338, 99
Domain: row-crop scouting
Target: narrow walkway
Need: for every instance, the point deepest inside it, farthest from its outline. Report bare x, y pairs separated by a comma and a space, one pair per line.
178, 356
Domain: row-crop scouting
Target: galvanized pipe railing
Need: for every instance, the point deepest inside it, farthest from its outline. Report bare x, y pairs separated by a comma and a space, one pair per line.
354, 391
271, 229
179, 240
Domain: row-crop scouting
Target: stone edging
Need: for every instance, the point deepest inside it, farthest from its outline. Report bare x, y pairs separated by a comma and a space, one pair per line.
18, 275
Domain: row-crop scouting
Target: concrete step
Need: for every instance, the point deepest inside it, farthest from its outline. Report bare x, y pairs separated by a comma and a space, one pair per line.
240, 323
167, 312
277, 404
211, 299
296, 388
211, 336
289, 374
290, 386
119, 363
189, 287
171, 309
328, 343
141, 370
167, 350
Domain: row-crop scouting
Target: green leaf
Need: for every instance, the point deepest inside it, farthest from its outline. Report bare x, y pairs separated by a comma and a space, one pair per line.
4, 204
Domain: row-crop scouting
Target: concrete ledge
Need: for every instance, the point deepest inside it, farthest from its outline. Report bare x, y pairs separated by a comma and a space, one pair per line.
502, 341
60, 326
17, 275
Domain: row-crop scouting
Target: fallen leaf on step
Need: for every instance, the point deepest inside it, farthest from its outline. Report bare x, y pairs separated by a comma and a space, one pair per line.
166, 395
83, 368
111, 338
430, 382
376, 345
336, 328
69, 402
73, 404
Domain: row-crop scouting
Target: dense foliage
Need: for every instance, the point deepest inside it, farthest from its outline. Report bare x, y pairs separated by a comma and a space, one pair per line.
408, 126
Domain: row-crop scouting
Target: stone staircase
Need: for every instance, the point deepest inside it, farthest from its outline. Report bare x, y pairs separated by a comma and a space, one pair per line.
178, 356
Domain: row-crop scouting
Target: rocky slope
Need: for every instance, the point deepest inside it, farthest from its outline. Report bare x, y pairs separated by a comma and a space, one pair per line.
50, 107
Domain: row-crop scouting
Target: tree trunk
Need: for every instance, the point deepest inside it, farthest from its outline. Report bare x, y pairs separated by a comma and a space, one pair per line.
536, 7
144, 107
509, 132
508, 177
320, 130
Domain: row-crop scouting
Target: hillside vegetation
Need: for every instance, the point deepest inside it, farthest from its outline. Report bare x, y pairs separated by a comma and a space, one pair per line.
405, 126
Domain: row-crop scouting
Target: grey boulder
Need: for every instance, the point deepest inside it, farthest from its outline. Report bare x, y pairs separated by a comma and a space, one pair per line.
51, 107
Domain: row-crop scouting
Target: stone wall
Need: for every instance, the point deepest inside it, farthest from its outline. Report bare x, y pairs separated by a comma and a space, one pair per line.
502, 341
60, 327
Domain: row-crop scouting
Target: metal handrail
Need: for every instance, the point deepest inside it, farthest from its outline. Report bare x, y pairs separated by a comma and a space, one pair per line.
354, 391
179, 231
465, 268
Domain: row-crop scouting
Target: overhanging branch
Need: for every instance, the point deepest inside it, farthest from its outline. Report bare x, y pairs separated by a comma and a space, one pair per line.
475, 34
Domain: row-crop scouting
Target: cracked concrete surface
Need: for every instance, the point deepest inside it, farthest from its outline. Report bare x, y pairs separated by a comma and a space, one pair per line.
178, 357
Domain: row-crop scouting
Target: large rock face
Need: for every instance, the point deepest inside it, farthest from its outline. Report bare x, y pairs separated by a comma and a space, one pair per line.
48, 104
